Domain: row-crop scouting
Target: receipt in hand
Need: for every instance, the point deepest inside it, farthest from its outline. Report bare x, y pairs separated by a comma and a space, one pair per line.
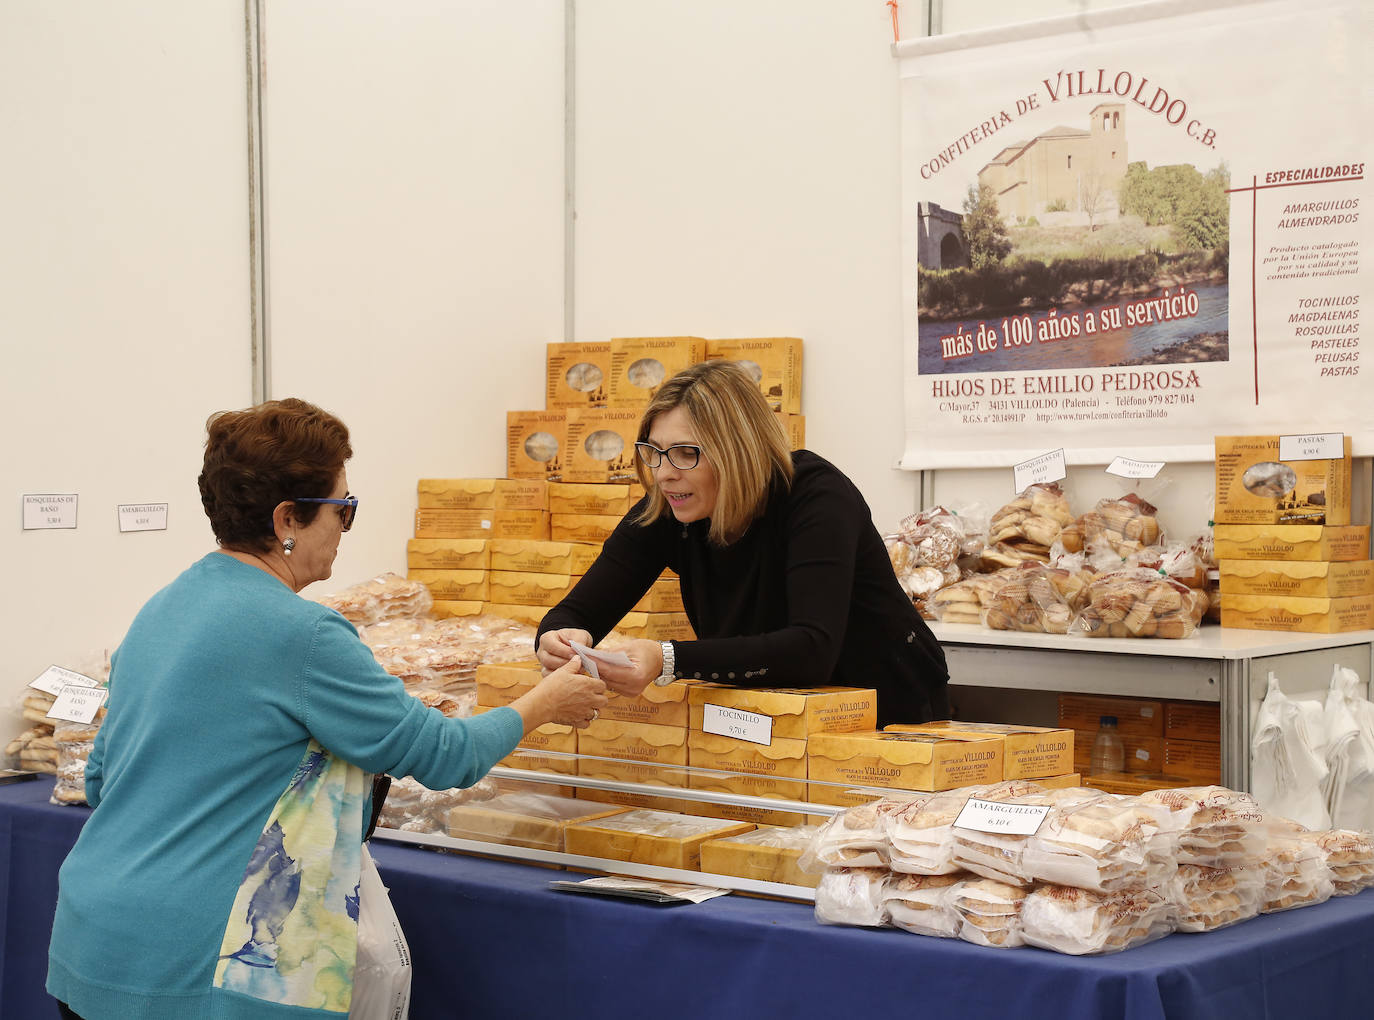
591, 656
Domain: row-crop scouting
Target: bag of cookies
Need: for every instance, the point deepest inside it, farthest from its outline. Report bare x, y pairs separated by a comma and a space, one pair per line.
1024, 529
989, 912
1139, 603
857, 837
1205, 899
1080, 922
922, 904
853, 896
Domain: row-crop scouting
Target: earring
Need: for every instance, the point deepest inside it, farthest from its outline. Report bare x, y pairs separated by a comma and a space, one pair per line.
288, 545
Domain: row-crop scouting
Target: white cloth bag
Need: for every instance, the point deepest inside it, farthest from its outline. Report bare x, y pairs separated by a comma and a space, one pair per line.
381, 978
1349, 752
1287, 765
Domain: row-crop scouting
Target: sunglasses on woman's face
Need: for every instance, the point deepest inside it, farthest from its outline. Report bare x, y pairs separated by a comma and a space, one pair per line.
348, 507
682, 456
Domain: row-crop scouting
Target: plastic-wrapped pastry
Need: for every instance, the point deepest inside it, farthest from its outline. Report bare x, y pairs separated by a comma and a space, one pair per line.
965, 601
1025, 528
852, 896
1031, 600
1294, 867
1215, 827
921, 904
1102, 844
384, 597
1139, 603
989, 912
1080, 922
1349, 858
1205, 899
857, 837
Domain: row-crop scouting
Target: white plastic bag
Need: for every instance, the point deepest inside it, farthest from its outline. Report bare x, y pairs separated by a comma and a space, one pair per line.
381, 978
1288, 769
1350, 752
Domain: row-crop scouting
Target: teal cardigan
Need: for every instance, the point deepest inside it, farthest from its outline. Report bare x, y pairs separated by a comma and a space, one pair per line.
222, 680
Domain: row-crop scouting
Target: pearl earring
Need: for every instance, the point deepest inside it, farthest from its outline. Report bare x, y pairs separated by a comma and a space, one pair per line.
288, 545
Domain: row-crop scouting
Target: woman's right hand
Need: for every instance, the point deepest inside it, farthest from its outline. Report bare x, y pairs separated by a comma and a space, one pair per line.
566, 696
555, 648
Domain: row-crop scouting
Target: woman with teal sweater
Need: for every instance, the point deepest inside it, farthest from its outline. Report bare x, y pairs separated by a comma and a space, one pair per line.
213, 878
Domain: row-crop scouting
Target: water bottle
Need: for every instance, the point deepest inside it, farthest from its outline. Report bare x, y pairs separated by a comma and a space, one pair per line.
1109, 754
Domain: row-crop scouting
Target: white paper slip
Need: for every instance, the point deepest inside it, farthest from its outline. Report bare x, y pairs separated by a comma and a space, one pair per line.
1048, 467
1324, 446
1125, 467
143, 517
78, 704
733, 722
642, 889
51, 510
993, 816
54, 678
591, 657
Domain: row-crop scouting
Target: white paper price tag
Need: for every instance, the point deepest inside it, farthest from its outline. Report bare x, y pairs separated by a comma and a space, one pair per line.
54, 678
591, 657
78, 704
143, 517
1325, 446
1048, 467
1124, 467
991, 816
56, 510
732, 722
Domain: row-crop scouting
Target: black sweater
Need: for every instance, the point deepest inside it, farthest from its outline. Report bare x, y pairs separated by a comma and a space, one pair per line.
805, 598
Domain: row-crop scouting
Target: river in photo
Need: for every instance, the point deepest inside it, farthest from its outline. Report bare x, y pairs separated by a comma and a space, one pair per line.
1101, 349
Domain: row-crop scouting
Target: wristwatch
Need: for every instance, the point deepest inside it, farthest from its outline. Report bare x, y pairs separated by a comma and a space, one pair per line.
669, 664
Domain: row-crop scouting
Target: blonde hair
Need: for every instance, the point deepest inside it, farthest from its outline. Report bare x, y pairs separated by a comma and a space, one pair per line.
737, 431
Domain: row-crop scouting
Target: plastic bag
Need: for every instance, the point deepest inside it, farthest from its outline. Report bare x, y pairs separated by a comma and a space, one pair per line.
1349, 720
1287, 768
381, 977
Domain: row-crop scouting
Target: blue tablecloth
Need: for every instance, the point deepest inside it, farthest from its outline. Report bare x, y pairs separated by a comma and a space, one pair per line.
489, 938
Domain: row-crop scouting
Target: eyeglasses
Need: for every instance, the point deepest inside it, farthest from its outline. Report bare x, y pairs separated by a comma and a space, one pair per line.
349, 503
682, 456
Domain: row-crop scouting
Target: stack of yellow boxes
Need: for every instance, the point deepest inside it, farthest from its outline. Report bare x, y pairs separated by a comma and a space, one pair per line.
1045, 754
1288, 556
638, 740
755, 741
542, 747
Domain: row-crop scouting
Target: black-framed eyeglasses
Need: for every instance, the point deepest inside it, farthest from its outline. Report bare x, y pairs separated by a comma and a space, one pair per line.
681, 456
349, 503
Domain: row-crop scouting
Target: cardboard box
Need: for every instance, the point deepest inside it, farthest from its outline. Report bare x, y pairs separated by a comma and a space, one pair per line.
523, 819
663, 596
794, 426
904, 761
1291, 542
536, 444
601, 446
1134, 782
1198, 760
1301, 578
448, 553
751, 786
530, 615
1255, 487
501, 683
447, 609
1142, 754
453, 585
768, 854
1028, 752
481, 494
656, 626
543, 557
658, 706
757, 770
1309, 616
644, 774
523, 588
627, 741
640, 365
1192, 720
650, 837
796, 714
1139, 716
1060, 782
582, 527
531, 524
775, 363
577, 375
589, 498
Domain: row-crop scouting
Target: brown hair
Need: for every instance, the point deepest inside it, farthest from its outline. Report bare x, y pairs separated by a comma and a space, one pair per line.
738, 432
264, 455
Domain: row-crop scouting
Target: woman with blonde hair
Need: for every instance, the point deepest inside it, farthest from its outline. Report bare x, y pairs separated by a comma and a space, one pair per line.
784, 578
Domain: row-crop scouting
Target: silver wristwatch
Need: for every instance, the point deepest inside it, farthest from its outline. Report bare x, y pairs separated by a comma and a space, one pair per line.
669, 666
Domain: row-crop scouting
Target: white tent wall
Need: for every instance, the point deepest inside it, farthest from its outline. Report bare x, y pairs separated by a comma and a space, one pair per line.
124, 302
736, 173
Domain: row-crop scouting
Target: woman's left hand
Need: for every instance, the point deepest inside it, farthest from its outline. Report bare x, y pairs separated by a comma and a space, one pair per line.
646, 664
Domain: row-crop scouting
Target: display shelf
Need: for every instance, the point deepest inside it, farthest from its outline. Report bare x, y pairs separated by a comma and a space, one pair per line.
1218, 664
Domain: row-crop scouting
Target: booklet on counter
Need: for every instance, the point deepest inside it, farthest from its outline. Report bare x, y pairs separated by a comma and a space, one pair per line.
666, 893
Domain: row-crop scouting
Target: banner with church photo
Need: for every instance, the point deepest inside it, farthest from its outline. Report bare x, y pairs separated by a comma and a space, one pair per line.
1127, 232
